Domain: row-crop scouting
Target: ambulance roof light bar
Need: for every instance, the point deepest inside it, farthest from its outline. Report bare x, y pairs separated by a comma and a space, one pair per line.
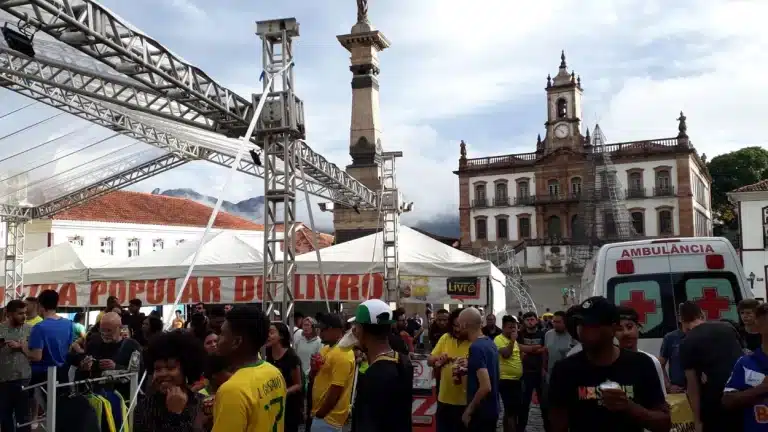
715, 262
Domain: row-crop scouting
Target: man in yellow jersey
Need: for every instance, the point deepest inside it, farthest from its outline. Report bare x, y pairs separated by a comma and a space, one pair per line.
452, 395
33, 311
332, 374
511, 370
253, 399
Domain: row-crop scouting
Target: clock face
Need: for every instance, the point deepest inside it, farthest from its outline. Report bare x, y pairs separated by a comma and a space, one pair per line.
562, 131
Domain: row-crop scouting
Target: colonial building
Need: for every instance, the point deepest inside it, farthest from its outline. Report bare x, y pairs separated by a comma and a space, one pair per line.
531, 199
125, 224
752, 208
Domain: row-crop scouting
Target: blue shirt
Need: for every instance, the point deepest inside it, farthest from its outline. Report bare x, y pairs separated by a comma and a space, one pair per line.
53, 336
747, 373
483, 354
670, 350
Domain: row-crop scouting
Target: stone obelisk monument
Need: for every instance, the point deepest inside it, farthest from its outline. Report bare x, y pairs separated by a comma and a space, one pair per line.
363, 43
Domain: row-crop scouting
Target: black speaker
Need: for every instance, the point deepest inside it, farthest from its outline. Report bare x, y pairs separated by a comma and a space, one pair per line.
18, 41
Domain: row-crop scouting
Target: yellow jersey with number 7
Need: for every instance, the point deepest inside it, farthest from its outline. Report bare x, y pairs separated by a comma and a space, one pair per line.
253, 400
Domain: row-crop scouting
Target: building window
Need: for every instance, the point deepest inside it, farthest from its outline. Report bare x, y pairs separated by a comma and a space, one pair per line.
562, 108
554, 228
524, 227
575, 226
481, 229
635, 187
665, 222
480, 200
501, 198
576, 186
663, 181
638, 222
765, 227
158, 245
178, 242
701, 227
76, 240
133, 247
522, 190
554, 188
502, 228
700, 192
609, 223
108, 246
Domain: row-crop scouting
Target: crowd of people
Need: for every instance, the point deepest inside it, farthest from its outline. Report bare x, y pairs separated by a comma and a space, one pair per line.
231, 369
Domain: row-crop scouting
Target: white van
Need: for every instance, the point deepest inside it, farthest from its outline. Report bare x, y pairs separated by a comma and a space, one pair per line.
654, 276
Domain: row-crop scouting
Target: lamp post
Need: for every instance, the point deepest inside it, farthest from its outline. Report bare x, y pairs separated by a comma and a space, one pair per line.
751, 279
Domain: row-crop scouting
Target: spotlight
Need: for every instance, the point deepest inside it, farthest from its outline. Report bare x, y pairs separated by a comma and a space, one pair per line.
407, 207
18, 41
356, 208
256, 158
325, 207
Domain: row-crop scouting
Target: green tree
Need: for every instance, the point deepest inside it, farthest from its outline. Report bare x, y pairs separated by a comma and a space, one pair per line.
731, 171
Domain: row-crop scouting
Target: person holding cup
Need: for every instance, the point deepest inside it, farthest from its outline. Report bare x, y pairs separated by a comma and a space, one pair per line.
604, 387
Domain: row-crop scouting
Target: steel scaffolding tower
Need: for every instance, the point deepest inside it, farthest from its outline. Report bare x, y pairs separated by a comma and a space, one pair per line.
104, 70
391, 207
503, 257
602, 214
280, 130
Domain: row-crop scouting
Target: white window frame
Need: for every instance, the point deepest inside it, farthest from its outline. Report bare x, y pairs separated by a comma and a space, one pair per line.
158, 245
107, 245
134, 247
76, 240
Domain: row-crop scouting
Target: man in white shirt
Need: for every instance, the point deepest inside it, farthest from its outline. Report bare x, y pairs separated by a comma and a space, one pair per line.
306, 344
298, 322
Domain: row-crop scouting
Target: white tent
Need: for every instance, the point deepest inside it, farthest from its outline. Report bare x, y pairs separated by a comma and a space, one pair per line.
61, 263
423, 260
223, 254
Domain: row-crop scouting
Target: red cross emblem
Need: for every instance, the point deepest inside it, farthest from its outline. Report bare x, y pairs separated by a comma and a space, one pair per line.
641, 305
712, 304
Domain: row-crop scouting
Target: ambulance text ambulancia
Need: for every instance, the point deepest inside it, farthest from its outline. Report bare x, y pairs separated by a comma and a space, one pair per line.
654, 276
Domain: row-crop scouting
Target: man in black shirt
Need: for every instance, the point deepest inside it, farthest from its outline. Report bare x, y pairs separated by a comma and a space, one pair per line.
134, 319
707, 354
531, 343
603, 387
108, 352
383, 401
491, 330
439, 327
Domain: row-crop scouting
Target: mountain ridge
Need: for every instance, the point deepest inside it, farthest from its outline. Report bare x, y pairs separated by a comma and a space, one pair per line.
445, 225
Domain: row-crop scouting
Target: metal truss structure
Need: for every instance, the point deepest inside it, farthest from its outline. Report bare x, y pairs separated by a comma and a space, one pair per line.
503, 257
101, 69
282, 118
391, 207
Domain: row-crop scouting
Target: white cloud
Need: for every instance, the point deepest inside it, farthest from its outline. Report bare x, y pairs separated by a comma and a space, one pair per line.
454, 67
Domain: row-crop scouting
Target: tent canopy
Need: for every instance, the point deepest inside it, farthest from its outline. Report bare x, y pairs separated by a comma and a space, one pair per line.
419, 255
224, 253
61, 262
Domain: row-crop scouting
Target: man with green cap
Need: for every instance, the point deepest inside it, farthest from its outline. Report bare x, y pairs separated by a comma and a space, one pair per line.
384, 392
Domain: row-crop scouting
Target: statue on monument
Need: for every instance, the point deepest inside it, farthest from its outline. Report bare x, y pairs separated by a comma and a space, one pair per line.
362, 11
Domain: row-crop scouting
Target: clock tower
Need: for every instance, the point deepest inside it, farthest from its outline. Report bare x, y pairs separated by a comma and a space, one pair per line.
563, 109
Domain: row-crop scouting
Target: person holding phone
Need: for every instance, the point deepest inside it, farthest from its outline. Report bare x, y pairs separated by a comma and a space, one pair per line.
106, 352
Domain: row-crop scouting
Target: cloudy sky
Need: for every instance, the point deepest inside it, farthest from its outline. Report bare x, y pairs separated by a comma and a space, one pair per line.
476, 71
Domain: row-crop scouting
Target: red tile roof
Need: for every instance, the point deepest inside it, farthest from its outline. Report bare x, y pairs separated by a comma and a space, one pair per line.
761, 186
304, 239
143, 208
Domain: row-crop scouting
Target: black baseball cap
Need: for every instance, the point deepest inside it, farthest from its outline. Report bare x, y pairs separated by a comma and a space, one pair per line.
327, 320
596, 311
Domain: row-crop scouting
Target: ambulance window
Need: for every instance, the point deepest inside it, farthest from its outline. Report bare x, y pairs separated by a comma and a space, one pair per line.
717, 293
649, 295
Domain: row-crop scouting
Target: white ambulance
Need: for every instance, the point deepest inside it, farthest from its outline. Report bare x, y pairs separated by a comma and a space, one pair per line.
654, 276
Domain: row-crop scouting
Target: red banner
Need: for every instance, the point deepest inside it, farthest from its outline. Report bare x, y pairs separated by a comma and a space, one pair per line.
208, 289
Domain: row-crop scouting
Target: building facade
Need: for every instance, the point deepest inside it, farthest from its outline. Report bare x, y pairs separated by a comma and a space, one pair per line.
125, 224
752, 208
530, 200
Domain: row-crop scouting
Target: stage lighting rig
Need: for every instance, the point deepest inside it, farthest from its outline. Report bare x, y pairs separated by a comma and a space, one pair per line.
19, 40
